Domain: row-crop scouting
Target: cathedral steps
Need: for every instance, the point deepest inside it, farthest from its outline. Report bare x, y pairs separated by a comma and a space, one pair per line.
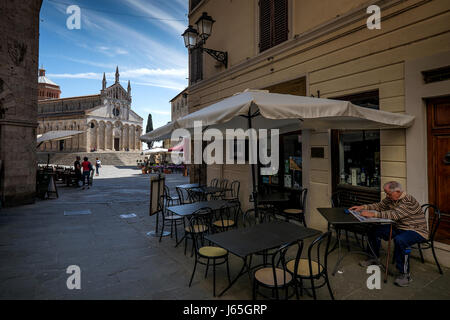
107, 158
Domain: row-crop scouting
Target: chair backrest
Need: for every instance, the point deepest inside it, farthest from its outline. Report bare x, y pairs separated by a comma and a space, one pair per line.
235, 187
223, 183
303, 195
343, 199
227, 212
279, 261
200, 217
214, 182
183, 195
435, 220
316, 254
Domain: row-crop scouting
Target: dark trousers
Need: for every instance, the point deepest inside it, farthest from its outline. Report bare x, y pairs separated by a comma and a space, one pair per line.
86, 175
96, 169
403, 240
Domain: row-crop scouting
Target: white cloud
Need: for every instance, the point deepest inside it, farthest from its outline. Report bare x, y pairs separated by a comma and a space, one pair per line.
157, 12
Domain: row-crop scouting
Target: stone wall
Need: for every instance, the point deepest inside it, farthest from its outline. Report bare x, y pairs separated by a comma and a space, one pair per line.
19, 49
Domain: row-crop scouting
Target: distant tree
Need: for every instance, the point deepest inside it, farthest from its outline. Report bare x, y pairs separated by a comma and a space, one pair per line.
148, 129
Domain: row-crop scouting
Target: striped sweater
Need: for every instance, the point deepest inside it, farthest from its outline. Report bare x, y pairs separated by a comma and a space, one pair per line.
406, 212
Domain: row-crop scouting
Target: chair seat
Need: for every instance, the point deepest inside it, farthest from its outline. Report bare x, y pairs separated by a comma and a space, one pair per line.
198, 228
224, 223
265, 276
293, 211
303, 267
212, 251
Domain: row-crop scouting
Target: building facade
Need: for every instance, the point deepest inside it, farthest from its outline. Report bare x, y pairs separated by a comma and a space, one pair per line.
307, 48
19, 49
108, 122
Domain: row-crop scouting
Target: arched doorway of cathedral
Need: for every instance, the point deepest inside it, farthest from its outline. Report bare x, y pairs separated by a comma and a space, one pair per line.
117, 135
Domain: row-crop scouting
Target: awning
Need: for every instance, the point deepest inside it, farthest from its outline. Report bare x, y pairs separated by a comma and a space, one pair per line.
57, 135
155, 150
178, 147
284, 112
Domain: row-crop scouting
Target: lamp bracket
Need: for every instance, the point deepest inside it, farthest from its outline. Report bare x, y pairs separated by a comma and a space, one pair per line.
218, 55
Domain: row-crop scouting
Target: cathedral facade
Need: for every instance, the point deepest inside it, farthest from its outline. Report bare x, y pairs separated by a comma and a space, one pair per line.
106, 119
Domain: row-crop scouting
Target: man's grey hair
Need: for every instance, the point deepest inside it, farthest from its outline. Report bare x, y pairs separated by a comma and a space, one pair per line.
393, 186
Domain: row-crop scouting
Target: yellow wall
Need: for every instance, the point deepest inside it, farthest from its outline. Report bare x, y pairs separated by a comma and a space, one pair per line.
344, 60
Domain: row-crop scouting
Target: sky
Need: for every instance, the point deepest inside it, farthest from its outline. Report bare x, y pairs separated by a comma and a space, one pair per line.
141, 37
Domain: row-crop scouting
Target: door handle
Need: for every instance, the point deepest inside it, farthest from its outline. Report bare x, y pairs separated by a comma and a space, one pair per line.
447, 158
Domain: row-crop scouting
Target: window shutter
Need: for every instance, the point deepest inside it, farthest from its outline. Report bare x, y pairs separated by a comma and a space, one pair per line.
273, 23
265, 17
280, 24
196, 62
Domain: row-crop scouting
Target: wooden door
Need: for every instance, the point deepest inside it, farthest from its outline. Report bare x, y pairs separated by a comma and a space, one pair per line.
116, 144
438, 111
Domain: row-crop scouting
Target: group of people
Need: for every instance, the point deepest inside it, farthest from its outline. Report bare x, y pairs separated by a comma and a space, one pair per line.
84, 171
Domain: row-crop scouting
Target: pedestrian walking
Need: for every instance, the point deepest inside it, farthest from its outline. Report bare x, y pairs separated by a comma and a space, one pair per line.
87, 168
77, 166
98, 164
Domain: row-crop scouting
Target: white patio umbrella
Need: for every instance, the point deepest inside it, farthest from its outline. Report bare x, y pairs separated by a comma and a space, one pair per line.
155, 150
56, 135
260, 109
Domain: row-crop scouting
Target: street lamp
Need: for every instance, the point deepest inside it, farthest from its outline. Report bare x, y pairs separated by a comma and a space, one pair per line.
196, 39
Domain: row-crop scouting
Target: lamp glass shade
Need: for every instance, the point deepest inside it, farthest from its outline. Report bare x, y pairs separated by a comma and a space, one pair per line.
204, 26
190, 37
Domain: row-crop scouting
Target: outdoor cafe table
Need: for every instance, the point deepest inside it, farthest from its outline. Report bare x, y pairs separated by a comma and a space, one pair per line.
204, 191
245, 242
337, 216
188, 186
186, 210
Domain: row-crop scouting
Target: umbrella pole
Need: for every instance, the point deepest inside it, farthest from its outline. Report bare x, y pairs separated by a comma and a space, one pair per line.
254, 192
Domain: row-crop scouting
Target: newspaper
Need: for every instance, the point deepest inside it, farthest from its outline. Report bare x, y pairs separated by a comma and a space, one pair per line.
358, 216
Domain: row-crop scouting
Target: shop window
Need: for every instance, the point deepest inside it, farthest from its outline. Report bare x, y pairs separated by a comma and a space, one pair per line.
289, 175
356, 155
273, 23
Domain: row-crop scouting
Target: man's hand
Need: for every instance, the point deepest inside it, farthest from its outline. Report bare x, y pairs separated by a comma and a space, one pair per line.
357, 208
368, 214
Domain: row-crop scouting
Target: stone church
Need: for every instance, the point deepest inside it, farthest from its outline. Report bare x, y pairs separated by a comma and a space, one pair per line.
107, 120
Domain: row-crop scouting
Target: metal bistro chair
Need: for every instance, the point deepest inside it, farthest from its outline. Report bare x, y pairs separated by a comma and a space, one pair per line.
226, 218
214, 182
199, 222
299, 212
275, 277
314, 267
429, 244
221, 194
190, 232
183, 195
170, 200
168, 218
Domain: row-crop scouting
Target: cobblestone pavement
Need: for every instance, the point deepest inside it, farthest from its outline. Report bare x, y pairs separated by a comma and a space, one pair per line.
118, 260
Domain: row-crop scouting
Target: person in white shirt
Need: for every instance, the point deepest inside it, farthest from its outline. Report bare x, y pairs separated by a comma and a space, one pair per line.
98, 164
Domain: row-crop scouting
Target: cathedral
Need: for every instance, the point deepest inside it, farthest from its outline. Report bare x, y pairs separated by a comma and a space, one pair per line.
106, 119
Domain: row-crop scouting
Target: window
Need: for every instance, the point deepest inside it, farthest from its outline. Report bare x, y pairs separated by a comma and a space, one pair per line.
196, 64
273, 23
356, 155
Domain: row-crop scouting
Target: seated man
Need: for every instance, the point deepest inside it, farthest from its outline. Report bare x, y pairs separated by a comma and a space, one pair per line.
409, 227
